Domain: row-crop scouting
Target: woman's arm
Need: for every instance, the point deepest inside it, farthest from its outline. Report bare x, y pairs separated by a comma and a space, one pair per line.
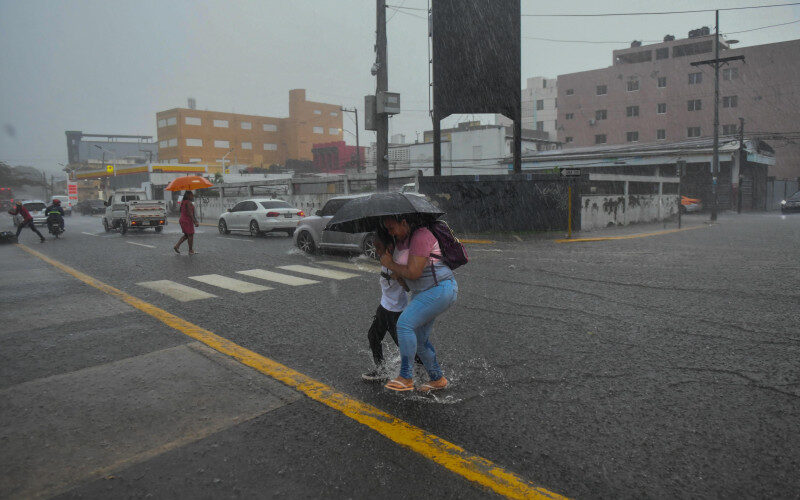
194, 218
412, 271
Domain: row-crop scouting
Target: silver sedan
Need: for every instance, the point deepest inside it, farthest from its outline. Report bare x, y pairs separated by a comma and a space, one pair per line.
311, 234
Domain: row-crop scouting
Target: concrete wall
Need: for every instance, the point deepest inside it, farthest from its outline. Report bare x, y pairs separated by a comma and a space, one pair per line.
612, 210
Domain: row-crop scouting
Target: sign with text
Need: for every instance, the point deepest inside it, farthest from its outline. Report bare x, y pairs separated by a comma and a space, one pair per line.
571, 172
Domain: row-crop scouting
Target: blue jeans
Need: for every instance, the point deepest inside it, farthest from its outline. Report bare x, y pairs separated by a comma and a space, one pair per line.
416, 324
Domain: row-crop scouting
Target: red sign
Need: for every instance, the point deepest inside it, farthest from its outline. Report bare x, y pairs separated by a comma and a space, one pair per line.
72, 188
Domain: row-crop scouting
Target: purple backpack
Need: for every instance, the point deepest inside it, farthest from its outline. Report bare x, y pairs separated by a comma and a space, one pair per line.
453, 252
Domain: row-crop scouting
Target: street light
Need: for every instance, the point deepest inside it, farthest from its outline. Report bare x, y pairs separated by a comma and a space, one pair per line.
223, 159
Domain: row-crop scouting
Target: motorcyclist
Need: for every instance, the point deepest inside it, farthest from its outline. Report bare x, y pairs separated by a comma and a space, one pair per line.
55, 212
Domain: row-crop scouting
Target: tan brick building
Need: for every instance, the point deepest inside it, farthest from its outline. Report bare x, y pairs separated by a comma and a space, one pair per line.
195, 136
652, 94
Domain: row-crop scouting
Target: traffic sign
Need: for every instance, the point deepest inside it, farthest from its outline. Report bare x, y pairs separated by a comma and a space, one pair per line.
110, 169
571, 172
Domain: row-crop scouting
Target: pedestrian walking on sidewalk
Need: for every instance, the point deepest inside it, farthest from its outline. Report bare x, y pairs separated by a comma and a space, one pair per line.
187, 221
27, 219
434, 290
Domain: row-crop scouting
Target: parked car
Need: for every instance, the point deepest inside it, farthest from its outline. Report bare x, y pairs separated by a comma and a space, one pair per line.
690, 204
311, 235
91, 207
260, 215
36, 209
791, 204
66, 205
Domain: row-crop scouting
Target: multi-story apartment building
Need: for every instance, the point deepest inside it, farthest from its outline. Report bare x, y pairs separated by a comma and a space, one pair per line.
539, 106
653, 94
195, 136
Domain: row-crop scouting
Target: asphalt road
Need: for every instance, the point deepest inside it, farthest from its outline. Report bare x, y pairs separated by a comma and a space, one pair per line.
664, 366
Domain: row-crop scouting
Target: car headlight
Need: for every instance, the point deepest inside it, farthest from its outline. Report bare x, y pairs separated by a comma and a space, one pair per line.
783, 202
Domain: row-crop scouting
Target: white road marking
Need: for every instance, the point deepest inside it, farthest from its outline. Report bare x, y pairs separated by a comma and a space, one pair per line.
177, 291
234, 239
277, 277
230, 283
140, 244
90, 234
368, 268
323, 273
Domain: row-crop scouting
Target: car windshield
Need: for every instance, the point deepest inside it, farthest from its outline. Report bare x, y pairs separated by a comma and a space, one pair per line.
97, 203
130, 197
275, 204
35, 206
794, 197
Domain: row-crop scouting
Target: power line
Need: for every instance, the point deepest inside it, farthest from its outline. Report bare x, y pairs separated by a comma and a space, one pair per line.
761, 28
660, 13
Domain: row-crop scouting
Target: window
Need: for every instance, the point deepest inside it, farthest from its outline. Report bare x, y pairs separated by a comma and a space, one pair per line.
172, 121
221, 123
632, 111
693, 132
334, 113
162, 123
662, 53
275, 204
477, 152
661, 134
730, 101
540, 104
319, 130
162, 144
269, 127
600, 139
692, 48
569, 139
570, 91
544, 83
270, 146
333, 131
246, 125
695, 78
569, 116
195, 160
317, 112
173, 142
192, 120
729, 129
632, 136
222, 144
194, 142
600, 114
601, 90
633, 85
661, 108
662, 82
247, 145
694, 105
730, 73
333, 206
540, 126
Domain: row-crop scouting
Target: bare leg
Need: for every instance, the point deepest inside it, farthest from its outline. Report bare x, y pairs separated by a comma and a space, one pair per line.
179, 243
191, 244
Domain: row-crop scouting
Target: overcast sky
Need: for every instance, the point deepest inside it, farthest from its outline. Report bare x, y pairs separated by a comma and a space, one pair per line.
108, 66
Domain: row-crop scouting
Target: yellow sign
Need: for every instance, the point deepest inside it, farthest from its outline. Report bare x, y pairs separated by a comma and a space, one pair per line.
110, 169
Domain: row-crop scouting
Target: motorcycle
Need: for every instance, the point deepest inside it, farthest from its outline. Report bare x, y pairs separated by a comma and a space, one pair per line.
54, 226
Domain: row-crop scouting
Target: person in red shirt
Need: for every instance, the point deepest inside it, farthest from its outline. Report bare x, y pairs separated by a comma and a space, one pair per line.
27, 220
188, 222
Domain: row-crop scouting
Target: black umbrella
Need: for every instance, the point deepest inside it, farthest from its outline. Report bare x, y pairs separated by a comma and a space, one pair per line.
363, 214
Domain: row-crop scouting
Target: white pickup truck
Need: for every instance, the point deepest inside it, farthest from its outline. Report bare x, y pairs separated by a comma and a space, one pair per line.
130, 209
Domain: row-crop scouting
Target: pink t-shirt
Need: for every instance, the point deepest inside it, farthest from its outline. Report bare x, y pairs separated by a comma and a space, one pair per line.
423, 244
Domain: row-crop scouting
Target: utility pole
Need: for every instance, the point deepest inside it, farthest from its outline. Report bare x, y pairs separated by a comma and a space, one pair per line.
382, 125
742, 160
715, 160
358, 147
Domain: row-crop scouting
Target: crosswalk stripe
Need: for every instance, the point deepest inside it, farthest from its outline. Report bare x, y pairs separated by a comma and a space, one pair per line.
323, 273
367, 268
277, 277
177, 291
229, 283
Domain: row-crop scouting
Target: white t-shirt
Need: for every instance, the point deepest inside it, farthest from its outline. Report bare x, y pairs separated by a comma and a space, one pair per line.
393, 296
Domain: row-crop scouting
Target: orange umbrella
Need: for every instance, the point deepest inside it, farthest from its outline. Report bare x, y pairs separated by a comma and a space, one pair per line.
188, 183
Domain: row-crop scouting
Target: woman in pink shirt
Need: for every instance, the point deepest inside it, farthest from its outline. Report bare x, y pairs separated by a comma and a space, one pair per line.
434, 290
188, 222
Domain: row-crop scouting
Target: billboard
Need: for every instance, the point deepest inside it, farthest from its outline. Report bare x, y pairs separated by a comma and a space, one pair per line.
476, 57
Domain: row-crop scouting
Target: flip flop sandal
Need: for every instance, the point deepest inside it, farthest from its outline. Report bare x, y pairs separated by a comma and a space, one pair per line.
398, 386
430, 388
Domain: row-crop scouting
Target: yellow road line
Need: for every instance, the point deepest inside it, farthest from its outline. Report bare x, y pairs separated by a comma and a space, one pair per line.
627, 236
445, 453
478, 242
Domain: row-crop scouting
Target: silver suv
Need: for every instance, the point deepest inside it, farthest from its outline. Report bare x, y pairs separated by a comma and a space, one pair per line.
311, 235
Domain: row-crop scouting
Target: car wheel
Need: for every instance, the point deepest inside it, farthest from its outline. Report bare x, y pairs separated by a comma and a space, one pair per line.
290, 232
254, 231
159, 229
306, 243
223, 228
369, 246
105, 225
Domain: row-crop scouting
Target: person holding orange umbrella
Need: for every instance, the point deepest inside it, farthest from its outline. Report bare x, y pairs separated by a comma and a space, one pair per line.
188, 222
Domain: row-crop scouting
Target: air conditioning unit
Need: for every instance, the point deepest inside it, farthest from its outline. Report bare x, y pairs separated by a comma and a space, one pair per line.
592, 121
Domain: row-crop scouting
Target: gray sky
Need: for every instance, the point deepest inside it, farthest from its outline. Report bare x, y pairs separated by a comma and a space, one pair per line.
109, 66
